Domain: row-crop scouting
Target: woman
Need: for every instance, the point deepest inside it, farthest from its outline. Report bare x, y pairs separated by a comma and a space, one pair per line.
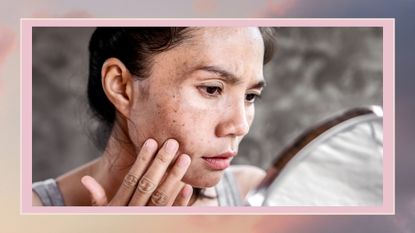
175, 103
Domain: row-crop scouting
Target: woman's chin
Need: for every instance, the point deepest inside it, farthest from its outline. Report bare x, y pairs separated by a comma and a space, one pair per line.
205, 181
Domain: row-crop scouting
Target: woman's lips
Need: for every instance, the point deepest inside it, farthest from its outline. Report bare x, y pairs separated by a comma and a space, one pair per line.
219, 162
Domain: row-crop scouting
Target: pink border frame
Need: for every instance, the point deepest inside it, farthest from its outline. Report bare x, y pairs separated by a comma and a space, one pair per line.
388, 26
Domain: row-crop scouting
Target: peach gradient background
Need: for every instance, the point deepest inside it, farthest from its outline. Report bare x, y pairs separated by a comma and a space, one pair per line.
12, 221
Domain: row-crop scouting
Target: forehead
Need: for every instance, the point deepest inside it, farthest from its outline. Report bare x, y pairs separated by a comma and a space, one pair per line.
222, 37
237, 50
225, 33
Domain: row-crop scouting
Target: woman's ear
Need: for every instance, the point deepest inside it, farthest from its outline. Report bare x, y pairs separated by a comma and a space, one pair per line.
117, 84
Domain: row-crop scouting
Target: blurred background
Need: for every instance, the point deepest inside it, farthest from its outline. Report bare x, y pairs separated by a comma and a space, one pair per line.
315, 73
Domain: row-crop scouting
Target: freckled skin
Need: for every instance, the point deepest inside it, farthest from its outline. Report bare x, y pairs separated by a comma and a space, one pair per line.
170, 104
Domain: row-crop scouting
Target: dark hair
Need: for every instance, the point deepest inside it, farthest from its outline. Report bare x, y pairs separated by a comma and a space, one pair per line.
135, 47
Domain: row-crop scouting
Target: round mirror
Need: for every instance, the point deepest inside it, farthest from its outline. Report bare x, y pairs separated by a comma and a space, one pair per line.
337, 163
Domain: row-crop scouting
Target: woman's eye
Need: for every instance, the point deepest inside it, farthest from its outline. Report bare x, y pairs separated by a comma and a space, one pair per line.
212, 90
251, 97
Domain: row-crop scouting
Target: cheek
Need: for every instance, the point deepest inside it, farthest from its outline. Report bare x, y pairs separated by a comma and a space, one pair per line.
179, 115
190, 123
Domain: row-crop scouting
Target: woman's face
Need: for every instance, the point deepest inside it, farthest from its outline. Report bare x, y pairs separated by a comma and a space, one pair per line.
202, 94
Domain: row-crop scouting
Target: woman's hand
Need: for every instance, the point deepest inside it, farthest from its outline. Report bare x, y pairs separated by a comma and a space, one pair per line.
149, 181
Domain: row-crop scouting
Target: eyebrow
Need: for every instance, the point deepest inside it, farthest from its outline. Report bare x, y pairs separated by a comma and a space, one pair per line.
229, 77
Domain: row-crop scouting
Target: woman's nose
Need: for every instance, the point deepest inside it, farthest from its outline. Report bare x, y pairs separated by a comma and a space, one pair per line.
235, 121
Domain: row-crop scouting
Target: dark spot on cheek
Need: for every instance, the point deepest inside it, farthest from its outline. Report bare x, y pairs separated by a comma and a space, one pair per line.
174, 121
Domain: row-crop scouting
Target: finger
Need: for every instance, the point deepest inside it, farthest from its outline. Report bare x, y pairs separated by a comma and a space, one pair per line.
129, 184
98, 196
177, 189
165, 192
151, 179
184, 196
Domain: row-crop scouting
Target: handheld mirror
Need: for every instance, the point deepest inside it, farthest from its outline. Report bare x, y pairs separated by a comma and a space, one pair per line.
339, 162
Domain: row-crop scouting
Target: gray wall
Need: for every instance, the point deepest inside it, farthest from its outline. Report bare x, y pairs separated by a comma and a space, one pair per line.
315, 73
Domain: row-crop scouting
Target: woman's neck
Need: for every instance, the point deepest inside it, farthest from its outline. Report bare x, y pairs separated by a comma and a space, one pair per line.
118, 157
109, 170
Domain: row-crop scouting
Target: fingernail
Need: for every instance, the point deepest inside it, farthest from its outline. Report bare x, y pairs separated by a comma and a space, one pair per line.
83, 180
171, 146
187, 191
150, 143
183, 161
